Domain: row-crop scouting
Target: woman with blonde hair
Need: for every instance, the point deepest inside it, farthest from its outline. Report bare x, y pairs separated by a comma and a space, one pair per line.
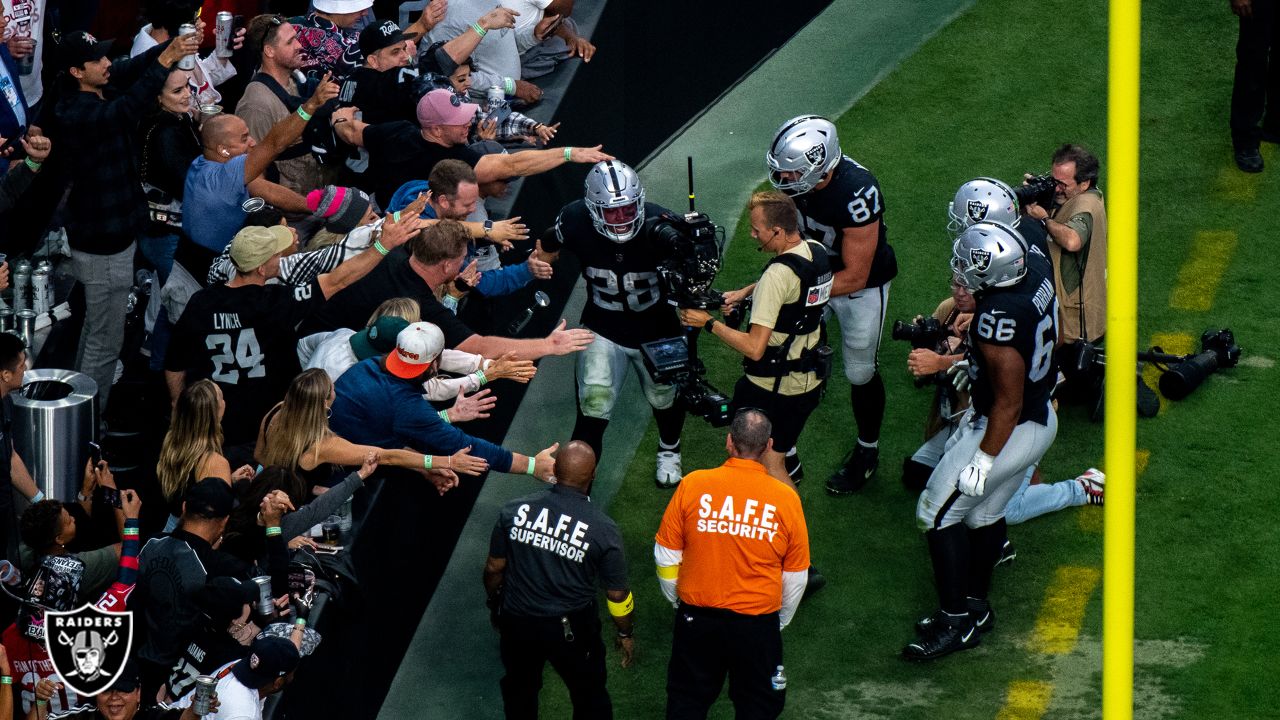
295, 435
192, 448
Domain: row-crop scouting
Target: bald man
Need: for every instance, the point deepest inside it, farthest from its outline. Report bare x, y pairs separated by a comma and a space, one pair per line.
548, 553
232, 164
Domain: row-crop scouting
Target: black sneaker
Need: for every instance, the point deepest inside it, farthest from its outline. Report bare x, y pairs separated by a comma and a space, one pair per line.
816, 582
1249, 160
858, 468
979, 610
1271, 136
1008, 553
943, 637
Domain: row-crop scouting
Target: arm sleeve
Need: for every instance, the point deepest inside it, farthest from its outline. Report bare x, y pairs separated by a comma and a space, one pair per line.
297, 522
1082, 223
793, 584
124, 111
457, 361
504, 281
13, 184
442, 389
216, 71
420, 423
613, 565
172, 172
668, 562
498, 540
307, 347
304, 268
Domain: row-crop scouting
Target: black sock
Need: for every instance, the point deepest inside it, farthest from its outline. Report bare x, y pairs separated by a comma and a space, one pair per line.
915, 475
590, 431
670, 425
949, 549
868, 408
985, 544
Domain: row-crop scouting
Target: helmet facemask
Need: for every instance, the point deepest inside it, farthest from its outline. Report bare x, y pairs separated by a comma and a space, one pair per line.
615, 200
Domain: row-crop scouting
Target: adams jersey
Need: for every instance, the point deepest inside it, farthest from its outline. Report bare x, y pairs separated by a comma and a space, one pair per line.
1024, 317
626, 302
852, 199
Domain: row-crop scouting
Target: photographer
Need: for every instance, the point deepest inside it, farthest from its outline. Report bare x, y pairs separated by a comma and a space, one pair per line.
620, 241
1077, 226
785, 358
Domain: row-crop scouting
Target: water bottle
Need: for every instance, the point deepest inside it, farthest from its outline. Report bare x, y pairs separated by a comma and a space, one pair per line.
779, 680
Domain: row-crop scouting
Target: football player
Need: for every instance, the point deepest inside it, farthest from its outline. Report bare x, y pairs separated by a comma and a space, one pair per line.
1008, 427
611, 231
987, 199
841, 206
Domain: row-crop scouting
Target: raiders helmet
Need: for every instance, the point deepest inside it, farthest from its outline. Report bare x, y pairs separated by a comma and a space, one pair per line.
806, 145
983, 199
612, 187
989, 254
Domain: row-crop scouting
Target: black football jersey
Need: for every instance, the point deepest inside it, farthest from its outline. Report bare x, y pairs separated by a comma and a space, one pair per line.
625, 302
1024, 317
852, 199
1034, 232
245, 340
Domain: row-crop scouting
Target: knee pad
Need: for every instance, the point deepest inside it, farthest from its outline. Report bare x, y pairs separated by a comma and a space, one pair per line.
596, 401
859, 372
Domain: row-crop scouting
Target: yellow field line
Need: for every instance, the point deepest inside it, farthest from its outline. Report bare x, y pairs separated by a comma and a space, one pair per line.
1091, 522
1027, 700
1058, 625
1201, 273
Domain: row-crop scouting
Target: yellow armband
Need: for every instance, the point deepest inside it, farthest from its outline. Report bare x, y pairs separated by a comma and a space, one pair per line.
668, 572
624, 608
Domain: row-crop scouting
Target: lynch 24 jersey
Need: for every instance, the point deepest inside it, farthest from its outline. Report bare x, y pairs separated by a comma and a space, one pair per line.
1024, 317
625, 302
852, 199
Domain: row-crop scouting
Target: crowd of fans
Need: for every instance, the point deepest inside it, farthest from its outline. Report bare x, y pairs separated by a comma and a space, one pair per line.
307, 194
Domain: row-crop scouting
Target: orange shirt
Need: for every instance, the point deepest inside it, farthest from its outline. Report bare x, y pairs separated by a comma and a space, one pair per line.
739, 530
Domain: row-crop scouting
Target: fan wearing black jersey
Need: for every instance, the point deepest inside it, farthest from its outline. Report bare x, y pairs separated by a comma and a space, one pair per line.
841, 206
611, 231
243, 335
1008, 427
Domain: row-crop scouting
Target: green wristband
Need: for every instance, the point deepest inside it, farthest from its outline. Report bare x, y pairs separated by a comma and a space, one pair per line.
444, 415
480, 376
426, 462
35, 166
568, 154
6, 680
529, 470
306, 116
273, 531
377, 245
479, 30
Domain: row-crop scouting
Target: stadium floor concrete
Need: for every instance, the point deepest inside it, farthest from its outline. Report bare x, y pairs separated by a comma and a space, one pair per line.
451, 668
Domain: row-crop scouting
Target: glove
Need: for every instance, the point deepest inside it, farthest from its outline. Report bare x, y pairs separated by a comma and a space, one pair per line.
959, 376
973, 478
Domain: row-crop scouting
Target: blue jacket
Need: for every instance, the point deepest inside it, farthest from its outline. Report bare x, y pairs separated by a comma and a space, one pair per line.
10, 126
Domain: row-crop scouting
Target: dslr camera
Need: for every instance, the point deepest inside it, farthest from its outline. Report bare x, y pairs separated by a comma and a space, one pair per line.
1038, 189
922, 332
673, 361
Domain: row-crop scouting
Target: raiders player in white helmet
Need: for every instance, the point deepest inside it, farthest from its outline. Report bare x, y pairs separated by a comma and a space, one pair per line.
841, 206
1008, 427
611, 232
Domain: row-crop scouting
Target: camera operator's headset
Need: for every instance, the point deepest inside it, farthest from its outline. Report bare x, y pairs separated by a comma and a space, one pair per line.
799, 318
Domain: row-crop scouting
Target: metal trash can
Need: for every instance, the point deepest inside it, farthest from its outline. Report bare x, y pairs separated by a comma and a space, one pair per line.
53, 422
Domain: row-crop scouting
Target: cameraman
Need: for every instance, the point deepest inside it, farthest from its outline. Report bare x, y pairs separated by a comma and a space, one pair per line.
786, 358
619, 241
1077, 225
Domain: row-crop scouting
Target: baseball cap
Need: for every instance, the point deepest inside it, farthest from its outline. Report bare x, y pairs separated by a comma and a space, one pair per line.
381, 35
269, 658
341, 207
224, 598
416, 346
210, 498
254, 246
379, 338
444, 107
128, 680
80, 47
342, 6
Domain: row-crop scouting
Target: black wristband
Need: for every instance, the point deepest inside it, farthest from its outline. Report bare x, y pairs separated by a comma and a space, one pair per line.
710, 323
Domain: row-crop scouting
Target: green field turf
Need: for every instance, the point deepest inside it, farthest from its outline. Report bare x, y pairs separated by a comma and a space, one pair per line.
993, 94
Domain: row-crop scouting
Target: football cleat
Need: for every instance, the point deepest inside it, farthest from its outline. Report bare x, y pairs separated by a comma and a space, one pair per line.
791, 463
1008, 553
816, 582
858, 468
979, 610
669, 472
948, 634
1093, 481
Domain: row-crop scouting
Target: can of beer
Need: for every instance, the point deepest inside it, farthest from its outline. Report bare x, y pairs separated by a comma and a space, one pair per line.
6, 319
27, 63
495, 97
40, 294
188, 62
223, 31
202, 703
208, 111
266, 603
26, 326
21, 285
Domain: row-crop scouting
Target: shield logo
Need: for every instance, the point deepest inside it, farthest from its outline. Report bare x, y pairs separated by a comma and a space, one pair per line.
88, 647
977, 210
979, 260
816, 155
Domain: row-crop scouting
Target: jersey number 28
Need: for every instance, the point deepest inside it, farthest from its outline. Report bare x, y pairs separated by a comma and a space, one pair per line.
235, 354
638, 289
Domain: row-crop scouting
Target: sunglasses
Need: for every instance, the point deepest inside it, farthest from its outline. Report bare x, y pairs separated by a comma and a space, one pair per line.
746, 409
